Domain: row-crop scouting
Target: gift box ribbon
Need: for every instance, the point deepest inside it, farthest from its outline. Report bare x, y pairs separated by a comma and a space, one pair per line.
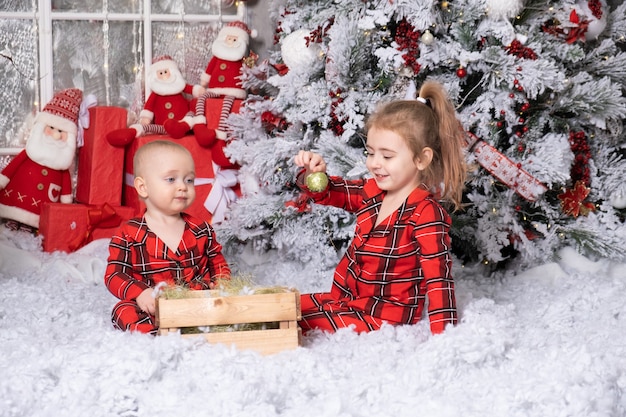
504, 169
98, 217
221, 194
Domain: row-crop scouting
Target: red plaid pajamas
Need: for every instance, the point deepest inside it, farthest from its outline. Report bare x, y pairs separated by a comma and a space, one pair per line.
138, 260
387, 271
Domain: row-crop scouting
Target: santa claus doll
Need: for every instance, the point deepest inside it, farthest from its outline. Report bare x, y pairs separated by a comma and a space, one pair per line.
168, 100
40, 173
221, 80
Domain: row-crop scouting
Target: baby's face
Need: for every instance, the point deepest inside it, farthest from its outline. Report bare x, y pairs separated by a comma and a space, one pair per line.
169, 181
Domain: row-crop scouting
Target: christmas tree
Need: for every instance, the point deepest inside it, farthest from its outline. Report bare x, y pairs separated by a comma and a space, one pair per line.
539, 90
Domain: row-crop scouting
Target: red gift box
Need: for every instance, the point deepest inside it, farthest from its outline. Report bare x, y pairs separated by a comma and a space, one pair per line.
202, 157
100, 174
68, 227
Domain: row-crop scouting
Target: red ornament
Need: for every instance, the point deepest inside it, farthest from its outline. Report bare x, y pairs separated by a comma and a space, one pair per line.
572, 200
461, 72
272, 122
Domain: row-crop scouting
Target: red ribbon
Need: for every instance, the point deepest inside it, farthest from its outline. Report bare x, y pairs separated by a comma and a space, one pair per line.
281, 68
505, 170
578, 32
98, 217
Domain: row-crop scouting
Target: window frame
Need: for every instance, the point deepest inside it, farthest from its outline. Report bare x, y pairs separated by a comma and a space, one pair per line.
45, 16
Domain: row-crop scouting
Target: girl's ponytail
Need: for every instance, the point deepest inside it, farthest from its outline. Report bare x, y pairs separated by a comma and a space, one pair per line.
450, 131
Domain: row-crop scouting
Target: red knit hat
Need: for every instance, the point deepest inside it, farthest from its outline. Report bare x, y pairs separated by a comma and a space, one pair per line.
240, 29
62, 111
163, 62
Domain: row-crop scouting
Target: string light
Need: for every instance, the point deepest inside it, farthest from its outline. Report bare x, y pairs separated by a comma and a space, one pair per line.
107, 47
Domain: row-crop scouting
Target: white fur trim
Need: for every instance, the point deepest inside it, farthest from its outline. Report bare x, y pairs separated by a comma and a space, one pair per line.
235, 92
20, 215
4, 180
204, 79
147, 114
67, 199
199, 120
58, 122
197, 90
139, 129
188, 120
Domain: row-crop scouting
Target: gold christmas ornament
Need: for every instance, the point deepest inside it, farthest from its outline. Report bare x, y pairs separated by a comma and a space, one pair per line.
317, 181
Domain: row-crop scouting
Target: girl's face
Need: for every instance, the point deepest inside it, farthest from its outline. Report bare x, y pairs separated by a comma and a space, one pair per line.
391, 162
168, 183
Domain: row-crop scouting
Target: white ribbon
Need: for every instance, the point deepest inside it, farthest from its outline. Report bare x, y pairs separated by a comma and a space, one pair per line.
221, 194
83, 117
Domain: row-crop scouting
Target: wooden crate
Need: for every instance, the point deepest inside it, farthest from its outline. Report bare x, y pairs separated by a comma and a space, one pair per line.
207, 308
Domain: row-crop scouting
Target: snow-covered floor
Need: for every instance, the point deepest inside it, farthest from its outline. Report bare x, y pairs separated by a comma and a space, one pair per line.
548, 341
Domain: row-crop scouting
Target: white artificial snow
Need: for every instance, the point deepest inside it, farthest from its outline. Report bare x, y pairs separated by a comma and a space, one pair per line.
546, 341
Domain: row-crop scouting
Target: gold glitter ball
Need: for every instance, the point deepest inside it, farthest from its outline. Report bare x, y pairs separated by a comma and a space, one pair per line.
317, 181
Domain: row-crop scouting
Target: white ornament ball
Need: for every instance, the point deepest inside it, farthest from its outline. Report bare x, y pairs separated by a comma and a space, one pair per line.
596, 26
427, 38
297, 55
619, 201
504, 9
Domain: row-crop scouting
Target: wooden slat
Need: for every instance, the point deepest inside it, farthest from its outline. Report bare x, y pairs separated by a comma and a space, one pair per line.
266, 342
209, 311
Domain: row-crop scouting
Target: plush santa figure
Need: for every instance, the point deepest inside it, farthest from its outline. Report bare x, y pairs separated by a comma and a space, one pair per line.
40, 173
168, 100
222, 80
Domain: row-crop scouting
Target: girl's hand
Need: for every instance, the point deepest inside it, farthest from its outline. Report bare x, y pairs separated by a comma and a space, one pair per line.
311, 161
147, 302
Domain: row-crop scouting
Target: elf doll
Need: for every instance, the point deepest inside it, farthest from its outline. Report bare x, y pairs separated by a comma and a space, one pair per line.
40, 173
168, 100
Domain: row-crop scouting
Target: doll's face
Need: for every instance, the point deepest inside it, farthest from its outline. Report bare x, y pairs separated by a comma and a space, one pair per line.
163, 74
55, 133
231, 39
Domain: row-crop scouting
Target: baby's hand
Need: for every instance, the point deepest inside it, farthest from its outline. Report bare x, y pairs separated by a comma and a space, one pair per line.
311, 161
147, 302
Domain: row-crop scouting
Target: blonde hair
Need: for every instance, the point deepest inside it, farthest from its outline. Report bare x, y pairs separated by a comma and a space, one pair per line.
431, 124
143, 153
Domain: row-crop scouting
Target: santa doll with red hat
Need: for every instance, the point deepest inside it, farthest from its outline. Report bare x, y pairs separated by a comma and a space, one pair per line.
40, 173
221, 80
168, 100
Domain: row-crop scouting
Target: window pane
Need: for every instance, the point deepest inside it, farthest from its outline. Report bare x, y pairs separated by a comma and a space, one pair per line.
189, 46
81, 63
194, 6
18, 5
18, 66
93, 6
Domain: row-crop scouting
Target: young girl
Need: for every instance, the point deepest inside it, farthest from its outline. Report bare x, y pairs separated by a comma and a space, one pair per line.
165, 245
400, 253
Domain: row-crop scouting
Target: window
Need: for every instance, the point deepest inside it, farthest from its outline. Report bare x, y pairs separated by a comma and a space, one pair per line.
99, 46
